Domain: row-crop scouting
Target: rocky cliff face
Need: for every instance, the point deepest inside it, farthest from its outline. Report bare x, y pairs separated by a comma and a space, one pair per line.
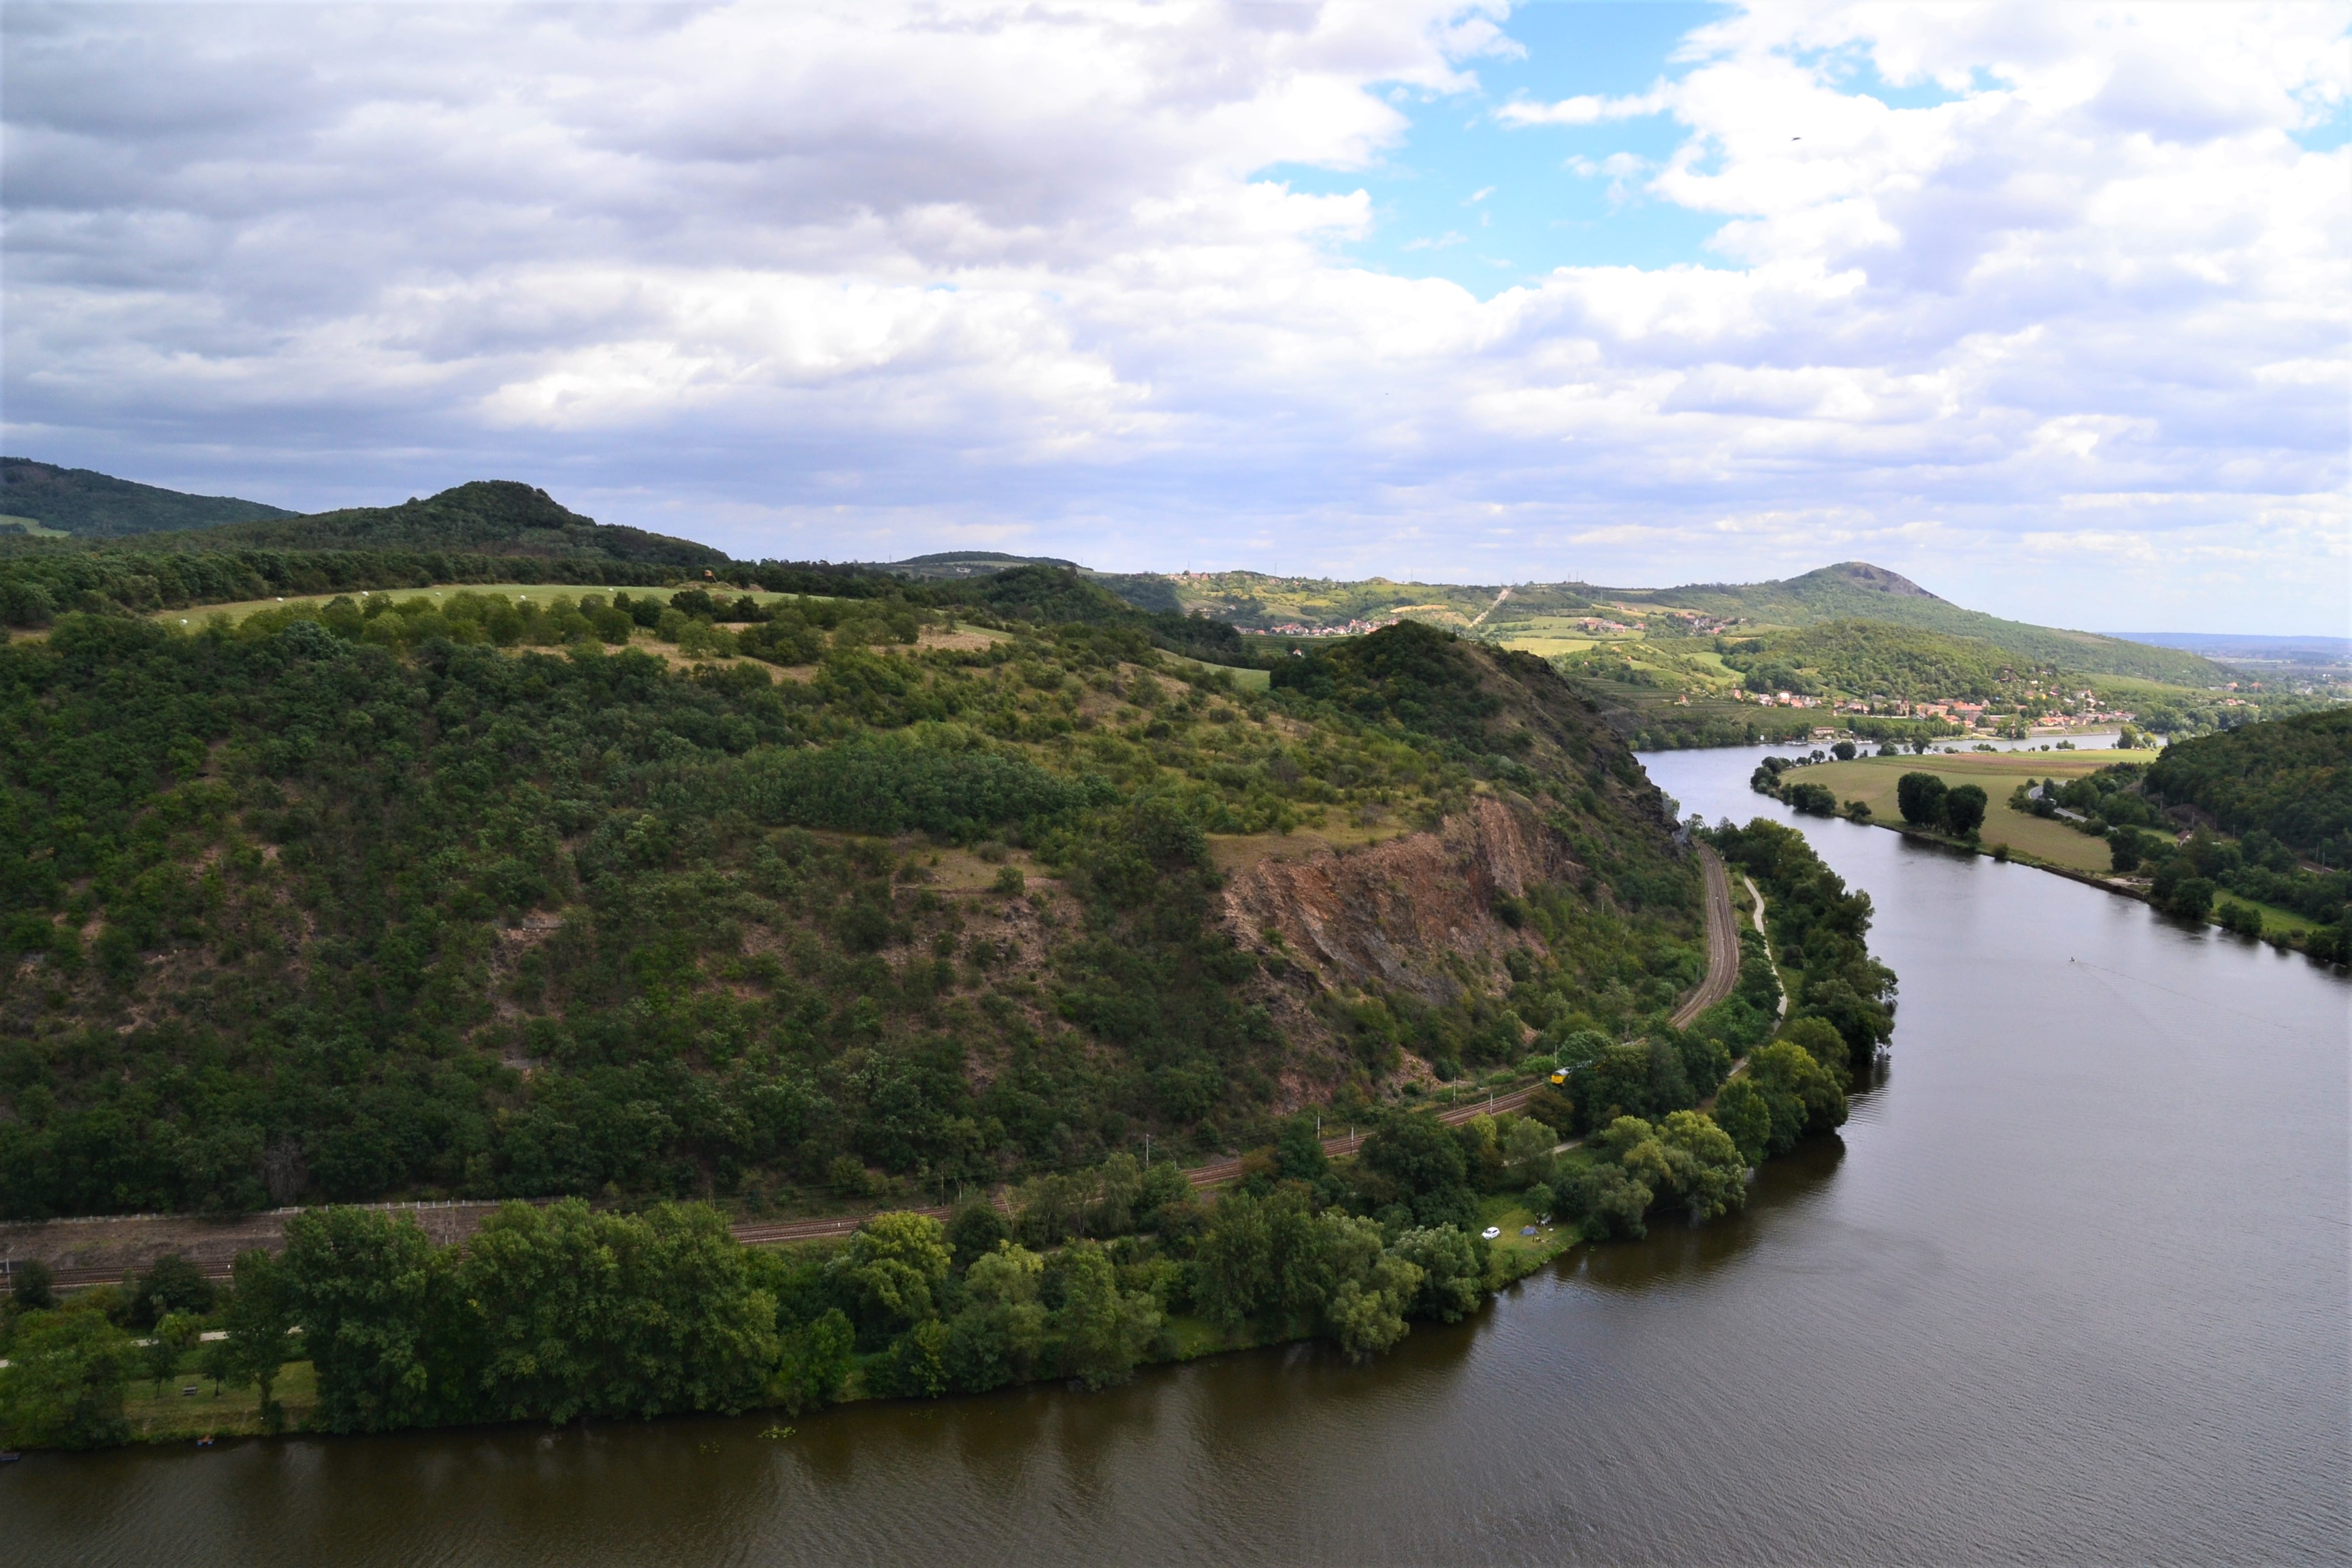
1417, 913
1551, 893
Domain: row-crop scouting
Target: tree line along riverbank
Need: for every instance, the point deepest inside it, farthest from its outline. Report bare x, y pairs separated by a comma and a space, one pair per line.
2250, 830
565, 1312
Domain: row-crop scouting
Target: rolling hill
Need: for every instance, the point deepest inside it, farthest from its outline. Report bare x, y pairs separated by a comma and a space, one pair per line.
1857, 591
347, 903
487, 517
85, 504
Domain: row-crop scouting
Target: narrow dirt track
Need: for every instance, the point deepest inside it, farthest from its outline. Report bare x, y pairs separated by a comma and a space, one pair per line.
1722, 973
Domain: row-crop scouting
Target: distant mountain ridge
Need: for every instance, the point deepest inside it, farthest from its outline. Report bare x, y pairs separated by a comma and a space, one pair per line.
505, 517
87, 504
485, 517
2314, 649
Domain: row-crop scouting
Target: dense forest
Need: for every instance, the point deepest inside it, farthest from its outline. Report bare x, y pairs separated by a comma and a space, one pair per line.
2218, 825
486, 517
782, 886
2291, 780
616, 896
565, 1311
91, 505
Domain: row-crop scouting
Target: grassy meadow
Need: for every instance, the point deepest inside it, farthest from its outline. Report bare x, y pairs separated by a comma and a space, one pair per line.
1873, 779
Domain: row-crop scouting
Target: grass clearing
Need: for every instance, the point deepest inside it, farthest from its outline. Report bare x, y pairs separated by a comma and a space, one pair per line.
2275, 920
2053, 840
1549, 647
1242, 680
173, 1416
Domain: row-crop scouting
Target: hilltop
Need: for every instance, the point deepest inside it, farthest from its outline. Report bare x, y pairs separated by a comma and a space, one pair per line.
848, 897
1856, 590
85, 504
1533, 614
490, 517
1679, 666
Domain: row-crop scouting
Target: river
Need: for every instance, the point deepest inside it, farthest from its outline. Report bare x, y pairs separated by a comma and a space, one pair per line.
2071, 1288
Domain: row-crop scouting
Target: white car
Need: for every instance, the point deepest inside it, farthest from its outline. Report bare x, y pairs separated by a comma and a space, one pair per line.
1491, 1232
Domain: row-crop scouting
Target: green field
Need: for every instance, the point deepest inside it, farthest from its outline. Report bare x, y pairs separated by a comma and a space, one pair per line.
1243, 679
1873, 779
175, 1416
1544, 646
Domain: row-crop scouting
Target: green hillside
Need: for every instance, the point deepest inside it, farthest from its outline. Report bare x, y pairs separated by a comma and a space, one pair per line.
85, 504
862, 898
2291, 780
1541, 615
1856, 590
492, 517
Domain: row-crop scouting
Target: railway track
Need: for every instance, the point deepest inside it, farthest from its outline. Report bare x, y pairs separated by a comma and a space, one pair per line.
1722, 943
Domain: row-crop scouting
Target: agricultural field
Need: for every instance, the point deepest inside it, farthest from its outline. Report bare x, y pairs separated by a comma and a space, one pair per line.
1872, 780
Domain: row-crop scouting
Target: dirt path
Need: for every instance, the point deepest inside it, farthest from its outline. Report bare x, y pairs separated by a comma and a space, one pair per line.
1757, 893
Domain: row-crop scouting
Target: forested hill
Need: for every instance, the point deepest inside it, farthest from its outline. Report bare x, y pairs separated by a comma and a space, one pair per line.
487, 517
2289, 778
91, 505
1857, 591
465, 897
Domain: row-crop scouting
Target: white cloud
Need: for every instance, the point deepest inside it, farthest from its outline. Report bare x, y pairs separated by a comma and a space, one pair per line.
1586, 110
843, 280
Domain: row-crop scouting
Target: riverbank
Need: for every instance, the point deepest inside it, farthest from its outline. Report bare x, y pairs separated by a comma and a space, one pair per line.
1865, 791
567, 1313
189, 1407
2283, 929
1999, 1317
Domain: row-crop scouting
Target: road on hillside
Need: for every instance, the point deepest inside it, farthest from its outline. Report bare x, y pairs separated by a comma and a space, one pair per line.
1722, 943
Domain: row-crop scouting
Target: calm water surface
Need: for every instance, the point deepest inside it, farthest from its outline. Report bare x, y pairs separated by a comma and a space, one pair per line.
2071, 1287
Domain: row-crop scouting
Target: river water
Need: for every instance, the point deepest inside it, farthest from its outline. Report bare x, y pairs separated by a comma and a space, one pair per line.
2071, 1288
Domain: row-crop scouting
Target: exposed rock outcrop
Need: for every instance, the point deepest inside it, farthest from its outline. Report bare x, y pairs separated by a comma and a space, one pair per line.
1417, 913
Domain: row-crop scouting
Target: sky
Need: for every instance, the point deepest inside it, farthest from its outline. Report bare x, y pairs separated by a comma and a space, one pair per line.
2044, 305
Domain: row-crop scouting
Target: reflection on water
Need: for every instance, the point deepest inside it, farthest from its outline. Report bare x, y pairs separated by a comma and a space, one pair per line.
2070, 1287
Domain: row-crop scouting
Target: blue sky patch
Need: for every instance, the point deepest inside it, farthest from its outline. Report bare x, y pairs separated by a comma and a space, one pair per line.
1467, 197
